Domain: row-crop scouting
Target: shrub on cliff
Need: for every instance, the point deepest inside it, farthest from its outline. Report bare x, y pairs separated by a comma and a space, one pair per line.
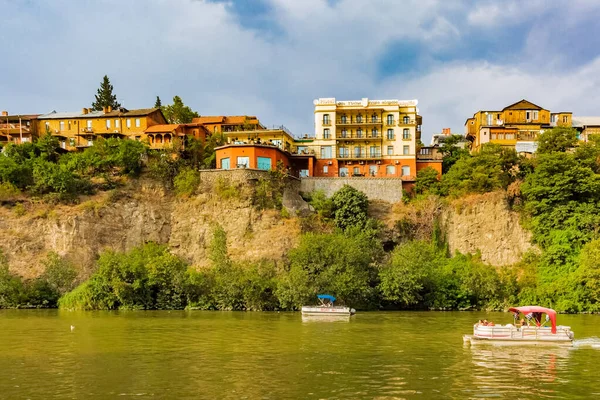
186, 182
427, 181
349, 207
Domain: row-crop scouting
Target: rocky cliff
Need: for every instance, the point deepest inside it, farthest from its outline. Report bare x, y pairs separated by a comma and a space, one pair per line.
485, 223
143, 211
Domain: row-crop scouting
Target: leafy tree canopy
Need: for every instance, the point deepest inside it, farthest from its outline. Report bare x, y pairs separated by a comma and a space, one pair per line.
559, 139
179, 113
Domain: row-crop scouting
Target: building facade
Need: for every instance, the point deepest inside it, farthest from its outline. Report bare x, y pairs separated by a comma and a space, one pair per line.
224, 123
78, 130
371, 138
516, 126
17, 129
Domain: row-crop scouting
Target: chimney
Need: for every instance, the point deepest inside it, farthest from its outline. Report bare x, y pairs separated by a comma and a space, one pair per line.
109, 108
104, 109
84, 111
5, 113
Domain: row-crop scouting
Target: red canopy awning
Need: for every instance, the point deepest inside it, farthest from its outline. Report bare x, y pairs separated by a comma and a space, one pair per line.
536, 309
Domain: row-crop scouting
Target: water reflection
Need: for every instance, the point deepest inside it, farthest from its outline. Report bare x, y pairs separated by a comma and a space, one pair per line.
520, 370
325, 318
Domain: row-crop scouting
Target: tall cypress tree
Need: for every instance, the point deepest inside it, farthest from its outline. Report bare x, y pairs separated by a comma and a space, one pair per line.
158, 103
105, 96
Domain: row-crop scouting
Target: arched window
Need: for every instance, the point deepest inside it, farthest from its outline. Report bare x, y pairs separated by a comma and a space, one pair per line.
344, 119
374, 133
359, 118
390, 119
374, 118
405, 119
326, 120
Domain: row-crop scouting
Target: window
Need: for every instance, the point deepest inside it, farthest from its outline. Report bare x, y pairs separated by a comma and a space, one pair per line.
89, 124
374, 118
390, 150
344, 133
225, 163
390, 134
356, 171
344, 152
325, 169
326, 133
565, 119
63, 144
326, 152
405, 170
90, 142
405, 150
405, 119
359, 133
390, 119
137, 122
47, 126
326, 120
405, 133
390, 170
263, 163
117, 123
108, 124
343, 172
490, 118
25, 140
553, 118
138, 138
128, 122
344, 119
527, 115
374, 133
243, 162
498, 116
359, 118
510, 136
535, 115
303, 173
72, 142
357, 151
373, 170
374, 152
62, 125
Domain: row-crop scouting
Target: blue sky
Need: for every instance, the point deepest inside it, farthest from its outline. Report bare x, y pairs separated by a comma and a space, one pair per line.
271, 58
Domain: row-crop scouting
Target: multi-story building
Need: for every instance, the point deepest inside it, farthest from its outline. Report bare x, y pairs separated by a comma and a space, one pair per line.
223, 123
586, 126
78, 130
17, 128
438, 139
516, 126
375, 138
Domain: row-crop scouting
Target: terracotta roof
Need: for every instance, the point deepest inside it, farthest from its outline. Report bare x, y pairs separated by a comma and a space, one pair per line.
209, 120
163, 128
240, 119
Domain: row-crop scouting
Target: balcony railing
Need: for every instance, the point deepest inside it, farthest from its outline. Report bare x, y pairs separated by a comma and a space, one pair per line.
355, 135
406, 121
406, 137
363, 121
359, 156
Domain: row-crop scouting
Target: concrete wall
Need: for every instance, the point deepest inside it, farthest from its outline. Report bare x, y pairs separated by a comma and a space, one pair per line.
386, 189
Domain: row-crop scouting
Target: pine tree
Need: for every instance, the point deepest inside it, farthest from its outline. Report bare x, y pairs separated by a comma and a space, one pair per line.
179, 113
158, 103
105, 96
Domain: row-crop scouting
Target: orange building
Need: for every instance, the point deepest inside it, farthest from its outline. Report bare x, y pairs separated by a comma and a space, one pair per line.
224, 123
165, 135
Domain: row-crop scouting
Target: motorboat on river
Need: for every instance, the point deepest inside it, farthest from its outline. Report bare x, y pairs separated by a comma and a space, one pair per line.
327, 308
530, 329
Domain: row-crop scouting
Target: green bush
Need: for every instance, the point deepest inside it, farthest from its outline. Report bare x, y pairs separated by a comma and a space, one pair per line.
349, 207
427, 180
186, 182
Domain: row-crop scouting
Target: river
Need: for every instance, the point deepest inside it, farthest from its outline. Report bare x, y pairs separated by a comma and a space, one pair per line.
222, 355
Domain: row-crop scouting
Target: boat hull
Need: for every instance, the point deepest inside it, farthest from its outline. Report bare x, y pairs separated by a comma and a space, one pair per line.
511, 335
327, 311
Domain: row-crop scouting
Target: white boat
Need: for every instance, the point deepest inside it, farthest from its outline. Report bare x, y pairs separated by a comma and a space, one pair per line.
327, 308
530, 330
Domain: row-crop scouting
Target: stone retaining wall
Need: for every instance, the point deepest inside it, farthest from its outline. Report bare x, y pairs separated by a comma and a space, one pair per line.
386, 189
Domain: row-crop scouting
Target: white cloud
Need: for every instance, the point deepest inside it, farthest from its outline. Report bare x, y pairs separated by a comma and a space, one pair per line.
196, 49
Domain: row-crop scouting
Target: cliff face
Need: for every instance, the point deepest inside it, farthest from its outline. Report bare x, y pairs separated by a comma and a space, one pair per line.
144, 212
141, 213
485, 223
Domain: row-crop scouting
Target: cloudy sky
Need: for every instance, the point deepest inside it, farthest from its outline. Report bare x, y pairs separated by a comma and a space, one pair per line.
271, 58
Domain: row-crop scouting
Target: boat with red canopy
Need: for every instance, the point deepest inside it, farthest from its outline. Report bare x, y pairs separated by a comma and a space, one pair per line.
530, 327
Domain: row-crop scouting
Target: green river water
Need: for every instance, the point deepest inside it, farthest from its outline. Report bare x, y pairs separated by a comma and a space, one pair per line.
221, 355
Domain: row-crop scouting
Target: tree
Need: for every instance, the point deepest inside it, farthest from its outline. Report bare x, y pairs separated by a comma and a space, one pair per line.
350, 207
558, 139
179, 113
451, 152
427, 179
158, 103
105, 96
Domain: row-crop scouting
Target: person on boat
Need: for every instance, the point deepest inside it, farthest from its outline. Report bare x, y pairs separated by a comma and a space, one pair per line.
490, 324
485, 322
480, 322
